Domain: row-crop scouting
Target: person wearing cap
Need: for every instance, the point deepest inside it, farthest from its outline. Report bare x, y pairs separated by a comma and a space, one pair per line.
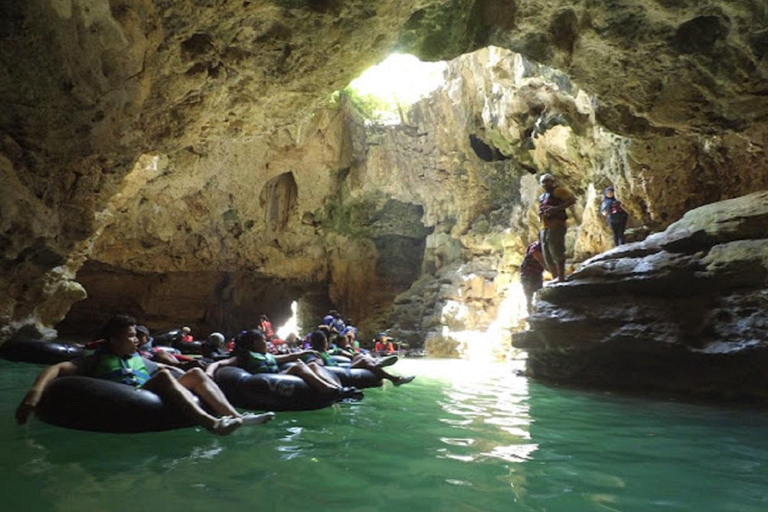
615, 214
552, 205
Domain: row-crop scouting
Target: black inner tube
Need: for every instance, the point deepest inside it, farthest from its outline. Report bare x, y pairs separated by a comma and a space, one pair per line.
39, 351
269, 391
86, 403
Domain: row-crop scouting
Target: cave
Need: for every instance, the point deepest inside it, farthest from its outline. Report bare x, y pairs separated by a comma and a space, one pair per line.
200, 163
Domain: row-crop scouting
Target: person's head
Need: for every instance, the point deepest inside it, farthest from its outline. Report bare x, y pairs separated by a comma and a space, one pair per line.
215, 340
609, 192
250, 341
120, 333
547, 181
319, 341
292, 340
264, 318
383, 337
186, 330
142, 333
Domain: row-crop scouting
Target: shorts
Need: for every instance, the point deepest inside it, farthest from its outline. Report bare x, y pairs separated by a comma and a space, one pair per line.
553, 245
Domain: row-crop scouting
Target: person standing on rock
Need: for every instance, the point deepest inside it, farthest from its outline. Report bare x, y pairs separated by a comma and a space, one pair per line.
552, 205
615, 214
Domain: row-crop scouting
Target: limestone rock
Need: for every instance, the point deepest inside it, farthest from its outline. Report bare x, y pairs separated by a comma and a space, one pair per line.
678, 312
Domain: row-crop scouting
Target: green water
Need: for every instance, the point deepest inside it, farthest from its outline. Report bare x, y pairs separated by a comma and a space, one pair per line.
462, 437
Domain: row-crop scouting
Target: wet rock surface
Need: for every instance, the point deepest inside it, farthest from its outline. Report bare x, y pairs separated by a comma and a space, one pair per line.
682, 311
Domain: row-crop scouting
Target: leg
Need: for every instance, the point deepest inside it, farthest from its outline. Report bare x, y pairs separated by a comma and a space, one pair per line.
622, 227
316, 382
549, 262
203, 386
379, 372
615, 229
528, 291
324, 374
211, 394
168, 388
556, 239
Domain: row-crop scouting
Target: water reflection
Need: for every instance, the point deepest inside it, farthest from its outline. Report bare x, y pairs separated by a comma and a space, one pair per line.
482, 395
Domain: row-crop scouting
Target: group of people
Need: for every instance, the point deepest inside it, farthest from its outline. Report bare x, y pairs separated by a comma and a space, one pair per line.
548, 252
126, 355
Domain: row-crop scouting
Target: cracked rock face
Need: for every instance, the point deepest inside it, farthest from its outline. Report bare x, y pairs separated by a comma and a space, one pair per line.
157, 137
682, 311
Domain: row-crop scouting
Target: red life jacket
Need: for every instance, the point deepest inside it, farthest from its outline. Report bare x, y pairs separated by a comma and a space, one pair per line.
617, 209
531, 266
547, 200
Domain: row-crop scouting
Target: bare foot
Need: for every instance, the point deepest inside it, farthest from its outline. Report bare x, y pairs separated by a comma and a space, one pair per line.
226, 425
256, 419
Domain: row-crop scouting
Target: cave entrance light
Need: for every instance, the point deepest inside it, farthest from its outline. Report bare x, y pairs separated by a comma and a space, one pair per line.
491, 344
389, 88
292, 325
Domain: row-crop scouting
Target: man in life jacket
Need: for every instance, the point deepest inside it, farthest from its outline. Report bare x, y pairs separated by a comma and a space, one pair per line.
119, 362
552, 205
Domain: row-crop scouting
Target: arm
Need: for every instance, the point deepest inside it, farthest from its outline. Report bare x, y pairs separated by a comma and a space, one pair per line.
211, 370
161, 356
287, 358
32, 398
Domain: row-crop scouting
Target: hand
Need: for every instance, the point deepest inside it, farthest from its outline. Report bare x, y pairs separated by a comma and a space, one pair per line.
23, 411
549, 211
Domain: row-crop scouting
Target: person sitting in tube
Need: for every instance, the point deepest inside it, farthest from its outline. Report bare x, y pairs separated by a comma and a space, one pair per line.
384, 345
213, 347
119, 361
186, 335
146, 350
320, 346
251, 355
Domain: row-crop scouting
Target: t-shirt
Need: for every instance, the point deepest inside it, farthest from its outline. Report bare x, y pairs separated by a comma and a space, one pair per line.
384, 347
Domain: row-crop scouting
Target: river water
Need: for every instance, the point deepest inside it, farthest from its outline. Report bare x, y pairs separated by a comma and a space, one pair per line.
461, 437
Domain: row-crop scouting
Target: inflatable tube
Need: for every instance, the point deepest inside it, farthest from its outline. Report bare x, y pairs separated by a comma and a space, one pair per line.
269, 392
39, 351
357, 377
97, 405
169, 338
190, 347
341, 360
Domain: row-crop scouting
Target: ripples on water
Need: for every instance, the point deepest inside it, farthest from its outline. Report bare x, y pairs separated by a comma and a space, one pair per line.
462, 437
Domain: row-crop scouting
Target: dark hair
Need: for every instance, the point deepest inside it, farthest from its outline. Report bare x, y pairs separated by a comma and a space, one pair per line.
244, 341
140, 329
116, 325
318, 341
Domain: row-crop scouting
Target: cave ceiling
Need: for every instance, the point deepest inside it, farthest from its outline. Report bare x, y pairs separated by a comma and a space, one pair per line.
100, 98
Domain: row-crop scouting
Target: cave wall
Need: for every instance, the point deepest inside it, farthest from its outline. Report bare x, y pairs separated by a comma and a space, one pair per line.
107, 103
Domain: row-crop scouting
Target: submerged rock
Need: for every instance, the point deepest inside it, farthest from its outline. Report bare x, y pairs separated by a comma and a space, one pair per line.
682, 311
